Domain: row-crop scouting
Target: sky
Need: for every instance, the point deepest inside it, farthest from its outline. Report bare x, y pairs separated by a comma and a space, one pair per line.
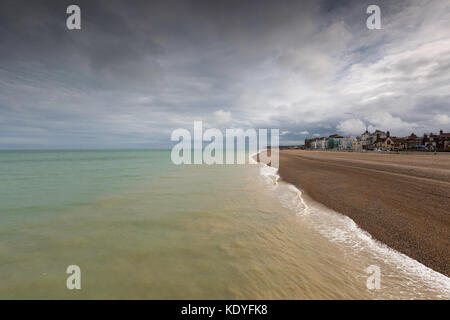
137, 70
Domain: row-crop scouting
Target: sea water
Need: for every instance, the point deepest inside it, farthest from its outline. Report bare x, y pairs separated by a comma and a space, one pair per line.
140, 227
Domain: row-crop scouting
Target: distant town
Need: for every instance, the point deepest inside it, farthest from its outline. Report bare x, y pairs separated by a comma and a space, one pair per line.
381, 141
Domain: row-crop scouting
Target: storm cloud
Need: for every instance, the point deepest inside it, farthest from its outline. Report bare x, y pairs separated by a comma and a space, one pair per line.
137, 70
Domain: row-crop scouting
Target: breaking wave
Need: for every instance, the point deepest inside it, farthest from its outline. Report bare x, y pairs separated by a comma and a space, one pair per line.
341, 229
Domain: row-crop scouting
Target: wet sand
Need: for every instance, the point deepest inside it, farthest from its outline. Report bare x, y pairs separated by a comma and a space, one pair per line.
402, 200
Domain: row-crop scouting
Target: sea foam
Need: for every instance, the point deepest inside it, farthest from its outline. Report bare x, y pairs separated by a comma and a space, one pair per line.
341, 229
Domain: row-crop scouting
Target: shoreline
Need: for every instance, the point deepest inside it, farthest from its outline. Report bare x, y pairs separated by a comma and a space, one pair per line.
401, 202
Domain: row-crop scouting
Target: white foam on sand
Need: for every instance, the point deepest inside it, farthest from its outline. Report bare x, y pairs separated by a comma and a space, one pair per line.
341, 229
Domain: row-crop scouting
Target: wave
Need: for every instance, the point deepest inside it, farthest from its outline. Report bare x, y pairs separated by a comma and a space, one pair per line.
341, 229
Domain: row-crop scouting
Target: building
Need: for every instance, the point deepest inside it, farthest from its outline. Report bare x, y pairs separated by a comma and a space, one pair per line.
308, 143
385, 144
414, 142
381, 140
400, 144
368, 139
443, 141
334, 142
316, 143
347, 143
357, 146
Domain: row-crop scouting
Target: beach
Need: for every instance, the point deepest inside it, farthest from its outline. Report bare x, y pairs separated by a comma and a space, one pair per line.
401, 200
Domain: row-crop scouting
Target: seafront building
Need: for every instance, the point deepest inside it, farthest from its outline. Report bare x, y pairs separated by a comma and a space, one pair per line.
381, 141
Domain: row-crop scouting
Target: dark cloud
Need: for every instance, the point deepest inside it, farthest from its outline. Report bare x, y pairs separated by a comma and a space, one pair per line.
139, 69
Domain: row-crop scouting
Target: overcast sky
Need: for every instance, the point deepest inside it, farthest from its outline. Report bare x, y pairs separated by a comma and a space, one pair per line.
140, 69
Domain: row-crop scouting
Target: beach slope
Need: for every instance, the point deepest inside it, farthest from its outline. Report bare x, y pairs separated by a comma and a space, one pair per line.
402, 200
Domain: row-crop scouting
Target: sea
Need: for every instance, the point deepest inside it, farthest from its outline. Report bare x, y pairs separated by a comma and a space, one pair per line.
140, 227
